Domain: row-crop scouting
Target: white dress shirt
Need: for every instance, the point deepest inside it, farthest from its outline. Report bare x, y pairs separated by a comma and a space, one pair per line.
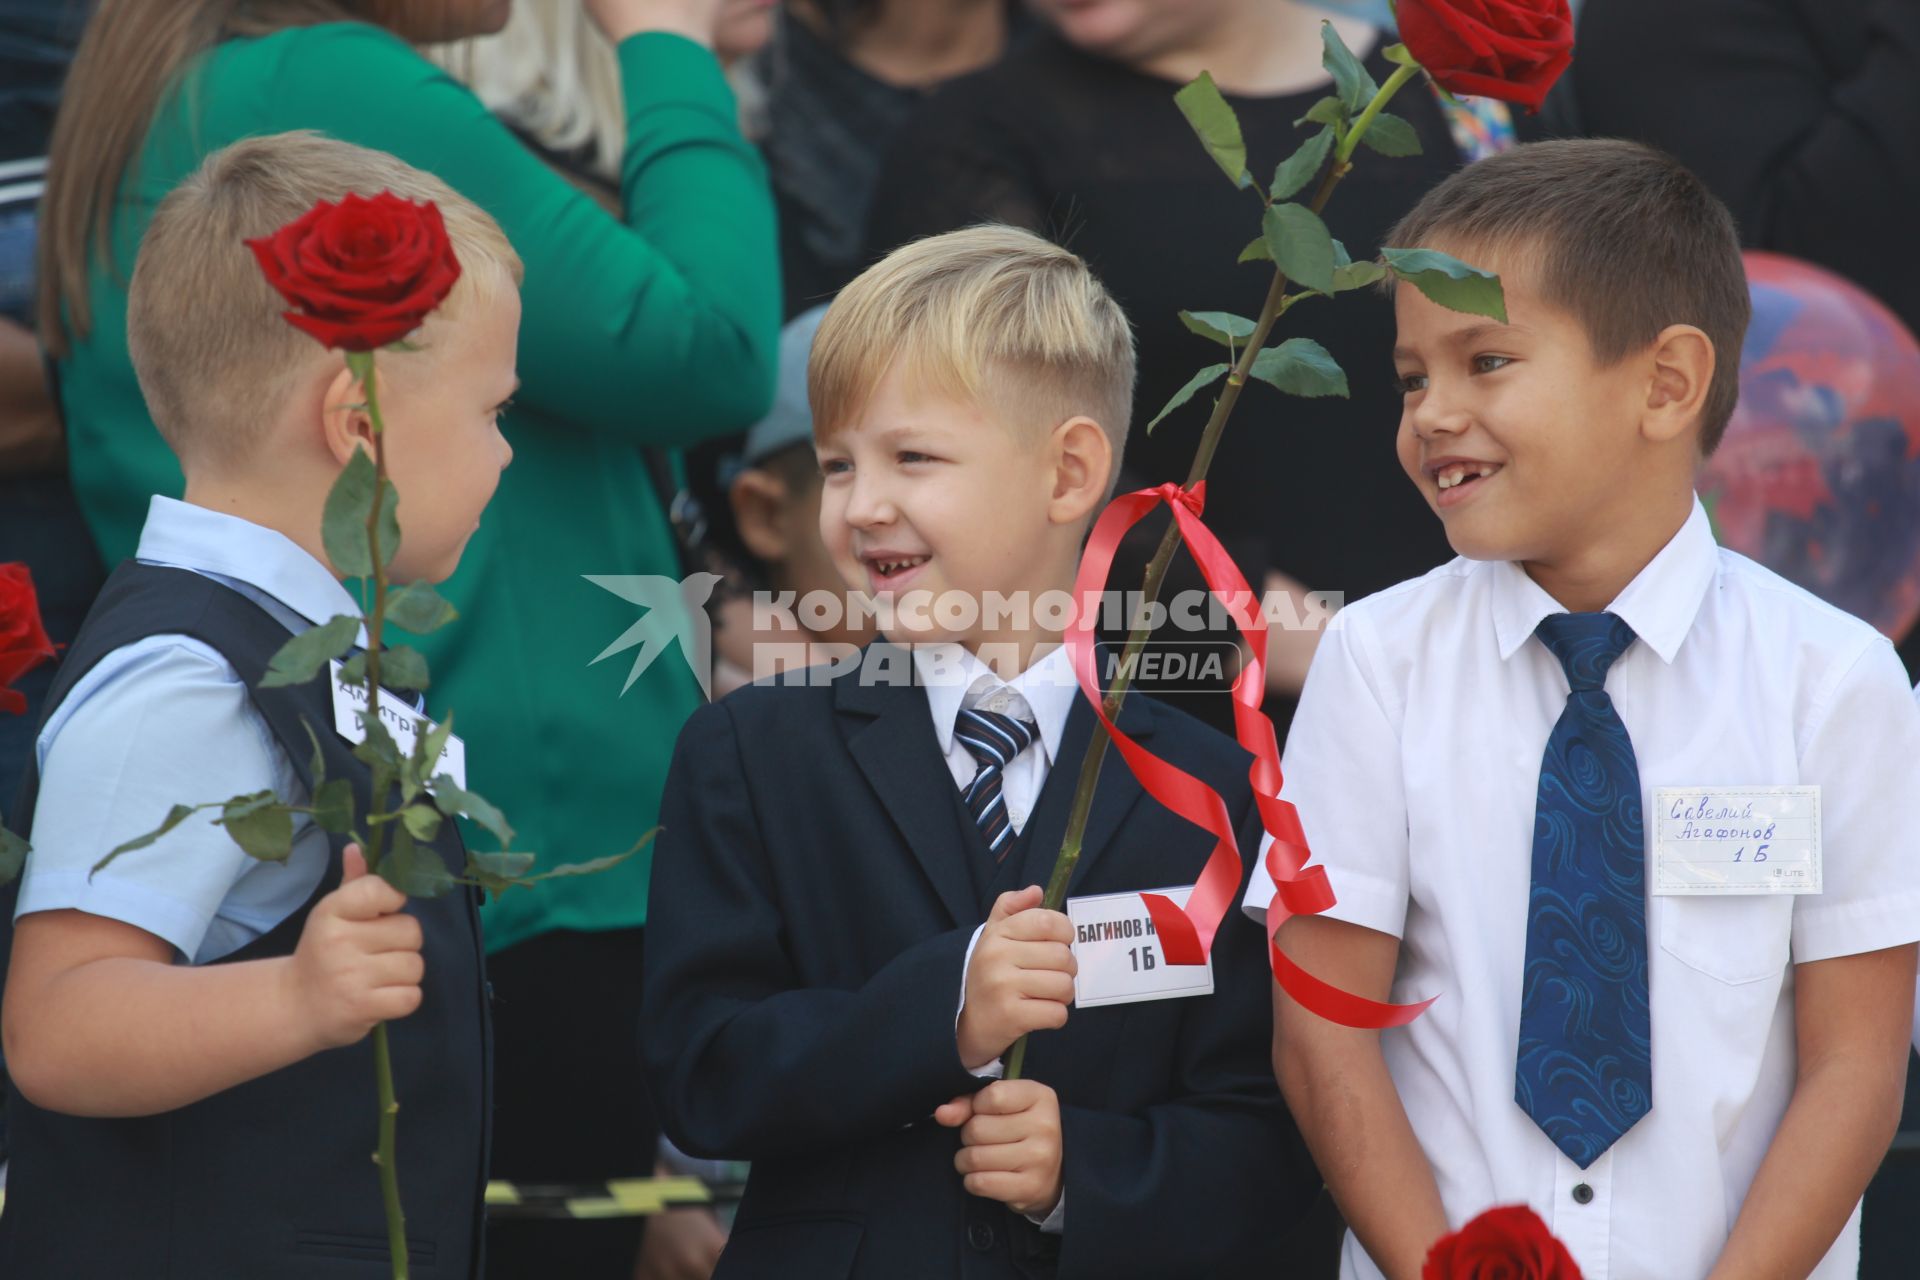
164, 721
1414, 761
954, 679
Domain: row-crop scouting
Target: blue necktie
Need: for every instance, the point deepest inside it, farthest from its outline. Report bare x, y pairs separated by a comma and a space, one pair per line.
994, 740
1585, 1072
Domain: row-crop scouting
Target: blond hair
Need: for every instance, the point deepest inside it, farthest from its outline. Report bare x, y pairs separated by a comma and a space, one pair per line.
992, 316
213, 356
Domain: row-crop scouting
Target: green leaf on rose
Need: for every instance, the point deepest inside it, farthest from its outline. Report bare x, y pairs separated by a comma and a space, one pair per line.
1355, 86
303, 656
1391, 136
13, 855
1300, 367
343, 521
403, 667
1300, 244
1300, 168
498, 872
451, 799
317, 767
333, 806
1256, 252
1218, 128
418, 608
378, 750
422, 821
1399, 55
1329, 111
1357, 275
427, 751
1206, 377
175, 816
260, 825
1448, 281
593, 866
415, 871
1223, 327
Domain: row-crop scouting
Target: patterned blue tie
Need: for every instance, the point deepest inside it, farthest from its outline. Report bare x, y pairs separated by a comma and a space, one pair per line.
1585, 1071
994, 740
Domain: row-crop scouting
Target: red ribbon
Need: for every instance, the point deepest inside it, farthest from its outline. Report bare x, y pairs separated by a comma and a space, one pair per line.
1187, 935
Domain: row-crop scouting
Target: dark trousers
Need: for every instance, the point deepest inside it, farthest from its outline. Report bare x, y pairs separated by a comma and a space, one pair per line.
569, 1101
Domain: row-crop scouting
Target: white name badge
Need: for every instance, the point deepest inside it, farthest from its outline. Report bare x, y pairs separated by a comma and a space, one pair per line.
1709, 840
1120, 956
349, 700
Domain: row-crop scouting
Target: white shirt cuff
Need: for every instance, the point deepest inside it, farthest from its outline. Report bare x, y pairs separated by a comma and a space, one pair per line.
1054, 1223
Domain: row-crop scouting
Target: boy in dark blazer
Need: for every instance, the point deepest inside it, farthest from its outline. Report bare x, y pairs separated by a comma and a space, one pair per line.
848, 933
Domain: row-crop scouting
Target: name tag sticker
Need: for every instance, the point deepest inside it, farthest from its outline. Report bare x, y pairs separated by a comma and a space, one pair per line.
1752, 840
349, 700
1120, 957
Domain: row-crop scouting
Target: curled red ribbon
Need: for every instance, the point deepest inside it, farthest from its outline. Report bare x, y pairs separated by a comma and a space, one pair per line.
1187, 935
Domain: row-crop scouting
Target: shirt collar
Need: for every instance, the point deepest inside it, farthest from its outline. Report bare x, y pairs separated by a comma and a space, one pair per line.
1659, 604
184, 536
954, 677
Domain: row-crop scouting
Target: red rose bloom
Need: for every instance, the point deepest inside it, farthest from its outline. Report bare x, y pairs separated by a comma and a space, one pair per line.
1509, 1243
1508, 49
363, 272
23, 640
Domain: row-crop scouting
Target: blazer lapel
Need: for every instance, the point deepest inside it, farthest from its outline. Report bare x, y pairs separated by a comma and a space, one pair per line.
1113, 797
890, 734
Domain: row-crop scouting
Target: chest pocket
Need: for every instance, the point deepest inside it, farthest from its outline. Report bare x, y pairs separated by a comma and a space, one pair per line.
1735, 939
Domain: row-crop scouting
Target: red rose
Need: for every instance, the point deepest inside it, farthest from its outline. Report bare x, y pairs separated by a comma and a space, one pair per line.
1509, 1243
1508, 49
23, 640
363, 272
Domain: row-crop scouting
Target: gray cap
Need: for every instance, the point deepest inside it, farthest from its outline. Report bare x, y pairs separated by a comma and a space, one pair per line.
790, 420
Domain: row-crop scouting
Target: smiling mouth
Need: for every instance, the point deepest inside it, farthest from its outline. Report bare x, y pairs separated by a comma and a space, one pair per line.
1460, 475
890, 569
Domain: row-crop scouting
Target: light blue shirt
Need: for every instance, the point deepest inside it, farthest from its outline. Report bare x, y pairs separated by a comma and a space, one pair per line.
164, 721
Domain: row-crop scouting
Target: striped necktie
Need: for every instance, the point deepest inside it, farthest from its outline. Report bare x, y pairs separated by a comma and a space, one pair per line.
994, 740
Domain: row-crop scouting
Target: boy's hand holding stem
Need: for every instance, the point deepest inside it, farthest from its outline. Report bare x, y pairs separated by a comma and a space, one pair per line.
358, 962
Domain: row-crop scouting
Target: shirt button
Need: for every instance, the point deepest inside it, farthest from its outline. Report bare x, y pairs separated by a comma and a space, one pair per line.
1583, 1194
980, 1236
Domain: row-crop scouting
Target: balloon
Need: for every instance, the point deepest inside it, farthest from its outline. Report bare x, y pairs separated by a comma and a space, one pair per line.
1818, 477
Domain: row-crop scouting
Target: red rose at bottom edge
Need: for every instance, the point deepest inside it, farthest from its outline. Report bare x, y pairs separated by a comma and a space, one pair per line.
1507, 1243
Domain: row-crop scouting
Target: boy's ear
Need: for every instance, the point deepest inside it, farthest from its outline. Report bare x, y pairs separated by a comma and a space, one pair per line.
758, 499
345, 423
1083, 460
1682, 373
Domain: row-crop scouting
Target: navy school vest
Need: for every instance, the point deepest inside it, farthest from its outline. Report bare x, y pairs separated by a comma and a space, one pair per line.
274, 1177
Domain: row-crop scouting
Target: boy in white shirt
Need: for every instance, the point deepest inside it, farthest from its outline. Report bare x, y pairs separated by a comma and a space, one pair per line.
1510, 765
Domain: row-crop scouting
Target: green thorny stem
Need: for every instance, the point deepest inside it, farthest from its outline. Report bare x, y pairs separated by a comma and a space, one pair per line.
1270, 310
361, 363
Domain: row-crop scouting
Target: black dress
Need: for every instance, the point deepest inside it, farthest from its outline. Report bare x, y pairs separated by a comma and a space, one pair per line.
1097, 157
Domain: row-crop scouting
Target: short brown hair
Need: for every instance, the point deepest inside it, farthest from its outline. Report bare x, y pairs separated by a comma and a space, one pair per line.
1627, 241
991, 315
203, 326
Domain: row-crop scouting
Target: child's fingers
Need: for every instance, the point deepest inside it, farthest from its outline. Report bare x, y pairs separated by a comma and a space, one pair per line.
955, 1113
353, 863
1015, 900
993, 1131
389, 1004
1040, 957
1044, 984
395, 969
366, 898
1033, 924
996, 1185
396, 932
1009, 1097
991, 1158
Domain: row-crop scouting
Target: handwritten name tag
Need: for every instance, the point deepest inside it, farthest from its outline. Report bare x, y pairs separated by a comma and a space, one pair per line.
1120, 956
1709, 840
402, 723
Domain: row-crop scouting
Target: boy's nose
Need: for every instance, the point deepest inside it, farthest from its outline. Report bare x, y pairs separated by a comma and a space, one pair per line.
1436, 415
869, 504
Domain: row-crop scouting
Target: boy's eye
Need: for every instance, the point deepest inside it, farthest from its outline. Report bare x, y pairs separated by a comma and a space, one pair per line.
502, 407
1408, 383
1487, 364
908, 455
834, 466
